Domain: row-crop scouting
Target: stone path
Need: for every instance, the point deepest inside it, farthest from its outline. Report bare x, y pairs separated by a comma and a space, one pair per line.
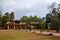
55, 34
47, 33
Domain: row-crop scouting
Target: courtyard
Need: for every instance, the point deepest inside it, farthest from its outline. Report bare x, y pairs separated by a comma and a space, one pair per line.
23, 35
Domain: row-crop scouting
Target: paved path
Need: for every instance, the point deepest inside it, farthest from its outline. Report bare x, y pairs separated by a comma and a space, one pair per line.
55, 34
47, 33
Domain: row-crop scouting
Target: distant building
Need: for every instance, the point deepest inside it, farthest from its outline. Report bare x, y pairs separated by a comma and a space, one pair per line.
16, 24
33, 24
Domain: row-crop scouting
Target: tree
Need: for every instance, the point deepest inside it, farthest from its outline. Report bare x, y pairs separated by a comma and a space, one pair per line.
6, 18
24, 19
11, 16
30, 19
54, 20
0, 19
56, 16
35, 19
49, 20
54, 12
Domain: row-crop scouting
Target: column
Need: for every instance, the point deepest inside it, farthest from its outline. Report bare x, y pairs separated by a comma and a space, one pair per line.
14, 24
8, 26
20, 26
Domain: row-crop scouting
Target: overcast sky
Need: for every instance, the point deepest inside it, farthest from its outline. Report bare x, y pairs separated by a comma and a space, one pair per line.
26, 7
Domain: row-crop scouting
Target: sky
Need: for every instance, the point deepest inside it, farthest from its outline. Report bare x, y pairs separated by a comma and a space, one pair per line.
26, 7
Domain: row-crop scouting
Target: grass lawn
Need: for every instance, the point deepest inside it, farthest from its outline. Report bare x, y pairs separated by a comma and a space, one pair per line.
22, 35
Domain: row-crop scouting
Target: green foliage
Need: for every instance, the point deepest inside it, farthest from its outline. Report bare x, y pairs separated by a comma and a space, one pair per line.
56, 19
0, 19
24, 19
6, 18
11, 16
41, 23
33, 19
55, 23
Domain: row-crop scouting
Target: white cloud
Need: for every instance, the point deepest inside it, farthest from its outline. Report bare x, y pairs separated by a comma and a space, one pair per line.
25, 4
8, 5
18, 4
35, 7
51, 1
31, 14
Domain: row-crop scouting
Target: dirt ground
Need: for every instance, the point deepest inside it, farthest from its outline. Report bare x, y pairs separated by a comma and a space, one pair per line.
23, 35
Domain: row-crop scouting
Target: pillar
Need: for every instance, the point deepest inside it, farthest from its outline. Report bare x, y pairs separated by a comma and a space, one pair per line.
20, 25
8, 26
14, 24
